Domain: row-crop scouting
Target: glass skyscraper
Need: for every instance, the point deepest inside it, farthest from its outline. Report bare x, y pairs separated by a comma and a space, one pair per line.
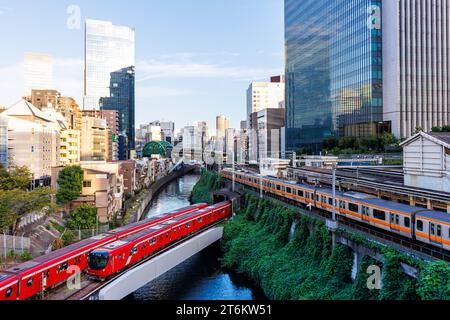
109, 71
121, 99
333, 70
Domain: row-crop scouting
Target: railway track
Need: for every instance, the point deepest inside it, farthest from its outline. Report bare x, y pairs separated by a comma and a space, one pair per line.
408, 246
91, 287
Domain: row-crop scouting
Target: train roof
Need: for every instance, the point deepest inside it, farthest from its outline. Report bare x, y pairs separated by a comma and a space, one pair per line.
23, 266
435, 215
5, 276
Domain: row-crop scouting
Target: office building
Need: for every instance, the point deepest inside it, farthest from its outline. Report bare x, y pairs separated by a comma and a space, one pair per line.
38, 68
222, 124
333, 69
94, 139
265, 95
109, 73
416, 65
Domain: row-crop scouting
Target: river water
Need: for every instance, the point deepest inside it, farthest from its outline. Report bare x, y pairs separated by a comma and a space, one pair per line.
201, 277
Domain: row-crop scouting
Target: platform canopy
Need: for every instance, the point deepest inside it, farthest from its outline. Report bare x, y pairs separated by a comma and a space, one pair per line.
156, 147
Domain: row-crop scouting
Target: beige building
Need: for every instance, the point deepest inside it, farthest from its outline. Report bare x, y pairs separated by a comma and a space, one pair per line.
34, 139
222, 124
94, 139
265, 95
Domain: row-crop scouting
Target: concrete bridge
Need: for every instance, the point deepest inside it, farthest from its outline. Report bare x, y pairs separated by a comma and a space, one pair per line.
143, 273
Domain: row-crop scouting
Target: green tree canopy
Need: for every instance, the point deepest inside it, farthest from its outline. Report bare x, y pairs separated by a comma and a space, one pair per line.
70, 184
16, 178
84, 217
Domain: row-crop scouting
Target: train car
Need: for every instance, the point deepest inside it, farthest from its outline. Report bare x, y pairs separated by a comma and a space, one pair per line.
115, 257
433, 227
9, 286
47, 271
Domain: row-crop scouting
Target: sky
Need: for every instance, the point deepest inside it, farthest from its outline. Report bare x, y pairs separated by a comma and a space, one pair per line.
194, 58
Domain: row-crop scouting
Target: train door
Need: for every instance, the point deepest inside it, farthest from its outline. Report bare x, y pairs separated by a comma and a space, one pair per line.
394, 222
365, 214
435, 232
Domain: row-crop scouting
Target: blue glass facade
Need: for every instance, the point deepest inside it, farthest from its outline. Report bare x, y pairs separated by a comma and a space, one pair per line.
122, 99
333, 68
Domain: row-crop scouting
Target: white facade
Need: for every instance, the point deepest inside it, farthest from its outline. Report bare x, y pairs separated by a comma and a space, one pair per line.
38, 69
415, 64
264, 95
34, 139
427, 161
222, 124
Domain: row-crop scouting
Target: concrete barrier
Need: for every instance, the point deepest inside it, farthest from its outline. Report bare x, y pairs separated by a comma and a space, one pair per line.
139, 276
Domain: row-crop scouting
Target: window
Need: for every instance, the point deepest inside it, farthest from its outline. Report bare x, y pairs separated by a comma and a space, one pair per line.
407, 222
330, 201
200, 220
87, 184
419, 224
175, 230
300, 193
30, 282
8, 293
167, 234
188, 225
439, 230
380, 215
432, 230
342, 204
153, 241
353, 207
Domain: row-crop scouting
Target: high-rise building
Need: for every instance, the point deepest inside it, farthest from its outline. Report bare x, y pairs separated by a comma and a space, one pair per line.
94, 139
222, 124
168, 129
265, 95
38, 69
333, 69
112, 121
44, 98
109, 73
416, 65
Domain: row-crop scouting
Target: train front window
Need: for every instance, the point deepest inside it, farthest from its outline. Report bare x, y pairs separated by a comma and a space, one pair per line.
98, 260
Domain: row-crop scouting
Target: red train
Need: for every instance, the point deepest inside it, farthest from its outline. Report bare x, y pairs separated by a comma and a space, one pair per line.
31, 278
117, 256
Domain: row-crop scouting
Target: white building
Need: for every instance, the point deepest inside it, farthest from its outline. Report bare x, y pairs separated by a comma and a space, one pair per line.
38, 69
416, 76
426, 158
34, 139
265, 95
222, 124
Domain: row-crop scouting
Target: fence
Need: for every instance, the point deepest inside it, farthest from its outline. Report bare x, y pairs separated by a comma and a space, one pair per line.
13, 243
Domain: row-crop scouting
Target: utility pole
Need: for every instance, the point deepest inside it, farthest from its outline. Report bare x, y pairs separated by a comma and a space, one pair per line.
332, 224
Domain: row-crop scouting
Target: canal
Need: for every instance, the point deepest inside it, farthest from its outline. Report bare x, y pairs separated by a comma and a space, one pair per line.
201, 277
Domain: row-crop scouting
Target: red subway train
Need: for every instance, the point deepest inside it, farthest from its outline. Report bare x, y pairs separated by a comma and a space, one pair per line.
120, 255
29, 279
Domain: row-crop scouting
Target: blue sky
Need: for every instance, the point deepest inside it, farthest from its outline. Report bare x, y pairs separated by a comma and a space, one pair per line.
194, 58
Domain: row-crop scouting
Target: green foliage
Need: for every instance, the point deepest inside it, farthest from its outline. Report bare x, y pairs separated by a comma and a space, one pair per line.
256, 244
17, 178
12, 254
434, 281
351, 145
209, 182
441, 129
70, 184
26, 256
83, 217
16, 203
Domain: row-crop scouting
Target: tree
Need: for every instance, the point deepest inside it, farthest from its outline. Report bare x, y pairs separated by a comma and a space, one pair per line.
16, 178
84, 217
388, 139
70, 184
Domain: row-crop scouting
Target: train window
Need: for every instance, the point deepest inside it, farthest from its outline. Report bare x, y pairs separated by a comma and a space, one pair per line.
278, 188
397, 219
419, 224
330, 201
30, 282
153, 240
407, 222
288, 190
307, 195
432, 229
8, 293
342, 204
439, 230
200, 220
167, 234
175, 230
380, 215
188, 225
300, 193
353, 207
